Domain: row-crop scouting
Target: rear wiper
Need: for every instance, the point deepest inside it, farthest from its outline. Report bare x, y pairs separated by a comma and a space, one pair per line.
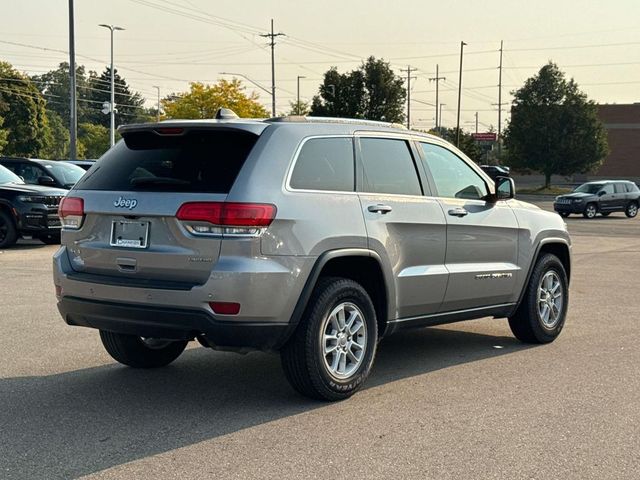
158, 181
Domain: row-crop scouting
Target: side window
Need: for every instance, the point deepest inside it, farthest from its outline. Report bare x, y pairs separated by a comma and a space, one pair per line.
30, 173
388, 167
621, 188
607, 188
452, 176
325, 164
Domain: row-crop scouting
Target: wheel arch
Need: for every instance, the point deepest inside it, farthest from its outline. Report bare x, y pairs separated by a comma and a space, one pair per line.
557, 246
361, 265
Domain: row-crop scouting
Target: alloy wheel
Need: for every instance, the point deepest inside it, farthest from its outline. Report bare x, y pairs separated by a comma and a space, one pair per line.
344, 340
550, 299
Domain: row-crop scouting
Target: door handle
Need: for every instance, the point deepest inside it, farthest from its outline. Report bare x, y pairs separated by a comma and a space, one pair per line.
458, 212
383, 209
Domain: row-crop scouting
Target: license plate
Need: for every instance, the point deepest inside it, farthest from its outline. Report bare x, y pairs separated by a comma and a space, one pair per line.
129, 234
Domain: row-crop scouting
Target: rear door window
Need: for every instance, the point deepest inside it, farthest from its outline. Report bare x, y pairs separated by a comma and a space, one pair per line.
325, 164
621, 188
203, 161
388, 167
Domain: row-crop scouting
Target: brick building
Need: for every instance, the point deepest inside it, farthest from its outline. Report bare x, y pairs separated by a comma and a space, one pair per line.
623, 128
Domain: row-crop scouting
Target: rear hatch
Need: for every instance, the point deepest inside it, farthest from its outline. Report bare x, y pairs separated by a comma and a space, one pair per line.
129, 202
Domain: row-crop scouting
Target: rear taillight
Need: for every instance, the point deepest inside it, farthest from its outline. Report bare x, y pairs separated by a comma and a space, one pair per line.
215, 218
71, 212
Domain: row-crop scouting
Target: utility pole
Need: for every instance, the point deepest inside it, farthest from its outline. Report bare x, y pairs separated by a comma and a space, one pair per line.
500, 104
462, 44
440, 116
476, 122
272, 43
409, 70
298, 96
112, 106
437, 79
73, 109
158, 109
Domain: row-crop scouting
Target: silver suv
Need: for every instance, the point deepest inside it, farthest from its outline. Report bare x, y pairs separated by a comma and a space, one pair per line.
313, 238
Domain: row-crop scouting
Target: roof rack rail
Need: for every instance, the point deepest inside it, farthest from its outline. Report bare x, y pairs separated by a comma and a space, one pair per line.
352, 121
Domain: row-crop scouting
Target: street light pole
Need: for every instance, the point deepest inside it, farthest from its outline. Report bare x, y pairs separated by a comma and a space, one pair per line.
298, 96
462, 44
440, 116
112, 106
73, 107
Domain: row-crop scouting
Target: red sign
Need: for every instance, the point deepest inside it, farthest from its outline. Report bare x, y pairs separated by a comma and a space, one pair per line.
485, 137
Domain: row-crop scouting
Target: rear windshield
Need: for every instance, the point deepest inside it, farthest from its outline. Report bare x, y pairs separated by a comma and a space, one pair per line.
206, 161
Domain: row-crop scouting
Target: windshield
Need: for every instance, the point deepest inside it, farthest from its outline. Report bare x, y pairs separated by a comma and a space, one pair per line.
589, 188
7, 176
65, 173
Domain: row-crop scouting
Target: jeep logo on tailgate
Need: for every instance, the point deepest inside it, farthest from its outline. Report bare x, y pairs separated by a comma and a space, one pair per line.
129, 203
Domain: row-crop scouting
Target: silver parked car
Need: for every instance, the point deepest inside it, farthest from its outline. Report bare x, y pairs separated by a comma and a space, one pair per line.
310, 237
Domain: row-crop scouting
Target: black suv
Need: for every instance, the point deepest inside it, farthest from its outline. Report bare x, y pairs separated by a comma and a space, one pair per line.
49, 173
28, 210
602, 197
495, 171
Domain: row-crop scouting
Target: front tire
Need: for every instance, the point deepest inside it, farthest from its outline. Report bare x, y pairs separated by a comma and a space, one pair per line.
564, 214
631, 210
8, 232
542, 313
590, 211
331, 354
139, 352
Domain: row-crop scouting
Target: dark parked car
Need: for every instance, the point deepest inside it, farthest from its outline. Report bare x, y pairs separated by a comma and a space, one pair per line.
50, 173
84, 164
27, 210
495, 171
602, 197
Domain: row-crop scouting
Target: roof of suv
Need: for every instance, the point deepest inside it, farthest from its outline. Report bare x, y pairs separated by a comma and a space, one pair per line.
257, 126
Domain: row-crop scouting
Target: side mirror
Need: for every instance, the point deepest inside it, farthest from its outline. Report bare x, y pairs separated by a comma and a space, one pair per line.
505, 188
46, 181
601, 193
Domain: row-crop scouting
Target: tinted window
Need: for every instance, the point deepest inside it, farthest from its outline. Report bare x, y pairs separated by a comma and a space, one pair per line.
621, 188
325, 164
30, 172
197, 161
66, 173
452, 176
589, 188
388, 167
607, 188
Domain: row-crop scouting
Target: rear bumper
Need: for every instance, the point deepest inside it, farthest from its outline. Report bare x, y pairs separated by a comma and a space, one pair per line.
171, 323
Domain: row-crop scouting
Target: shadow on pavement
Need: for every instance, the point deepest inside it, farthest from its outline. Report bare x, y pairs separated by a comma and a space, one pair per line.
80, 422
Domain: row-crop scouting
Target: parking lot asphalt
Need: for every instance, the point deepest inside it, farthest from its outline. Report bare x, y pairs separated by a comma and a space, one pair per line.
456, 402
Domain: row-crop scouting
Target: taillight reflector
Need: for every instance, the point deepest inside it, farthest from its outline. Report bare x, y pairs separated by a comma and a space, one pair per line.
225, 308
228, 214
169, 131
71, 206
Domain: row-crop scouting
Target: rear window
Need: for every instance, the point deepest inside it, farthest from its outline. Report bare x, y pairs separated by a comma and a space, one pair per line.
325, 164
206, 161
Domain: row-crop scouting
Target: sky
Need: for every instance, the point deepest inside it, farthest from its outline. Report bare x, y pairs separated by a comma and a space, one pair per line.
169, 43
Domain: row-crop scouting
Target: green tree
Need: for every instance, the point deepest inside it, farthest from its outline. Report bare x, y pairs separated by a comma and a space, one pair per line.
55, 85
129, 104
57, 138
23, 109
95, 139
298, 108
373, 91
203, 101
554, 128
3, 135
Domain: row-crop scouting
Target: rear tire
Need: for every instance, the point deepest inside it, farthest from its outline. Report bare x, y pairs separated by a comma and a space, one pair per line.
605, 214
564, 214
548, 286
339, 323
631, 210
138, 352
8, 231
590, 211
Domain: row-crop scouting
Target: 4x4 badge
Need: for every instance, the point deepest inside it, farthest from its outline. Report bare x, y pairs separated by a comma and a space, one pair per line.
129, 203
